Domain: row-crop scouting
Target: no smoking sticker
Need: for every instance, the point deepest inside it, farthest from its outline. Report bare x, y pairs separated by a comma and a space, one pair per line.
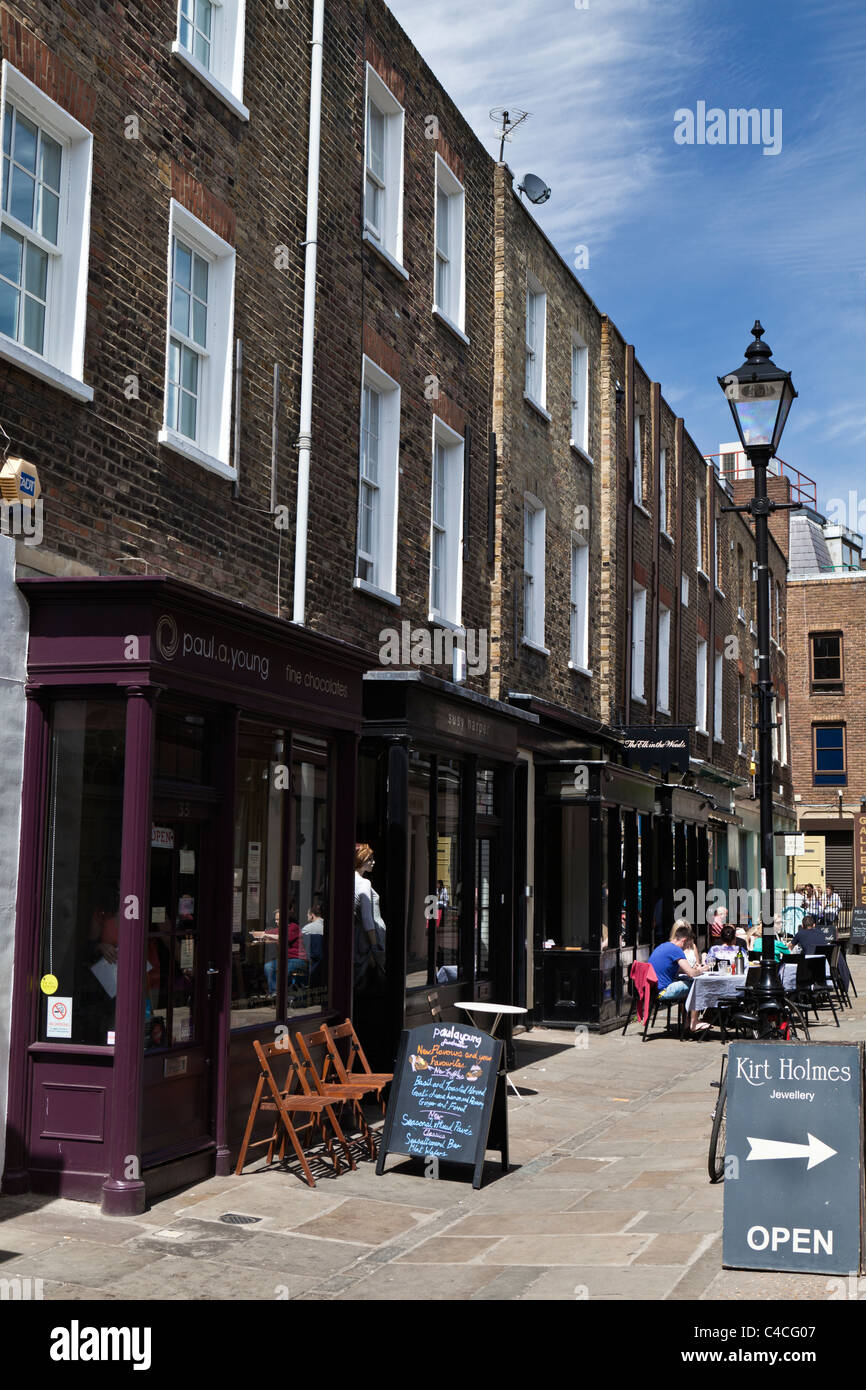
59, 1021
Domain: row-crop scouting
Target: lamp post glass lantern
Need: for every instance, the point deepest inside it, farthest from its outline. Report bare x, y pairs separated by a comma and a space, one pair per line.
760, 395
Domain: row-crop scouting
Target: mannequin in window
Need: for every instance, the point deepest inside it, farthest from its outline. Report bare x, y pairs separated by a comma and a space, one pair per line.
369, 927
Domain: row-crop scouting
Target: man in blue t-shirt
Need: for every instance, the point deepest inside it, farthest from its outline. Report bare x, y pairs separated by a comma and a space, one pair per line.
673, 971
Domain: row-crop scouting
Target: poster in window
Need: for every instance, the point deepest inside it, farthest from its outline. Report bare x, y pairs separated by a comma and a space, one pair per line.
254, 861
253, 902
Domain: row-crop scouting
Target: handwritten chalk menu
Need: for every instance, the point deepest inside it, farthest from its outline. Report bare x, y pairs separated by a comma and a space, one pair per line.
448, 1087
858, 926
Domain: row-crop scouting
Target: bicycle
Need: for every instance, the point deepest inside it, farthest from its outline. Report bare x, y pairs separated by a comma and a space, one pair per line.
768, 1022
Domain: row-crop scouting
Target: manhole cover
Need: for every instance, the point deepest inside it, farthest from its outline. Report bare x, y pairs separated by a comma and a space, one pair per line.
234, 1218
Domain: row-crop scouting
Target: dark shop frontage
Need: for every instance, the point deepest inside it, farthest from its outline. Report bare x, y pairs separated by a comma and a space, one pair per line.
442, 805
186, 877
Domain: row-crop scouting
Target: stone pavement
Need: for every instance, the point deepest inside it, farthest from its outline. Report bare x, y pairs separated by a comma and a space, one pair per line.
608, 1198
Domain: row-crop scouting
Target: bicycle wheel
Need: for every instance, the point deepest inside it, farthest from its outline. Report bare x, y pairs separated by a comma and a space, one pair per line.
716, 1155
797, 1022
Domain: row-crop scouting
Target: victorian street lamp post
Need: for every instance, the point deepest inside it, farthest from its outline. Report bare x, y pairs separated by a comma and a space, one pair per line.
760, 395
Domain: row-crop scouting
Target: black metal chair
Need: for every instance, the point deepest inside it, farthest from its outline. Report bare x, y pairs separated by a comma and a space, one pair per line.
655, 1003
813, 990
840, 975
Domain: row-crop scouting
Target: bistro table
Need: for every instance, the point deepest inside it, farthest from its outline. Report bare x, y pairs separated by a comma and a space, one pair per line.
707, 990
485, 1006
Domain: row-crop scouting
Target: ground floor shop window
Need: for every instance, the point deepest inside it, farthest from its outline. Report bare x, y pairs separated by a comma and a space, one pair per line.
447, 954
259, 825
81, 922
307, 964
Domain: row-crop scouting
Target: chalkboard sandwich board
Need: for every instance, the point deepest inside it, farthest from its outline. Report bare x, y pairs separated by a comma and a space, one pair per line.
447, 1101
858, 926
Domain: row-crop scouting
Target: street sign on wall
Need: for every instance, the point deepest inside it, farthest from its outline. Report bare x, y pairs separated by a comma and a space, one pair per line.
793, 1157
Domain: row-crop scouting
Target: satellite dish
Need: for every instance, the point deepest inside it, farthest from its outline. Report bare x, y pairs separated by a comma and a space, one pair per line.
535, 188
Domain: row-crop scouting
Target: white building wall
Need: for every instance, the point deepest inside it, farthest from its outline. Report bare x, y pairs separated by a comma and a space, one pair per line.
13, 669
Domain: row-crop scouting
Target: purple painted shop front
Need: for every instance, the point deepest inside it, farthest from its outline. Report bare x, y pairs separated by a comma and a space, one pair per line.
186, 877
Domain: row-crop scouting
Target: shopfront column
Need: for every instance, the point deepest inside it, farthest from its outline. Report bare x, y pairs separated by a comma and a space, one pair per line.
394, 904
16, 1177
228, 755
632, 900
123, 1193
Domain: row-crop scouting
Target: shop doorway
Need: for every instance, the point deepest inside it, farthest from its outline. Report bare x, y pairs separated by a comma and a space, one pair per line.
181, 983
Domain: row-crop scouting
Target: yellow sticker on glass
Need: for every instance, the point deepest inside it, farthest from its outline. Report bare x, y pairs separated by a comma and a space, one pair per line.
48, 984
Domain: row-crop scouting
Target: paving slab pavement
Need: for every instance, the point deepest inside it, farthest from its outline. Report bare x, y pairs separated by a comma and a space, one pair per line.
607, 1199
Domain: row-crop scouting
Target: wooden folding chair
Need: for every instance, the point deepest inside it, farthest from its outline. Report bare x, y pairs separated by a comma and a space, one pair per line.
376, 1081
283, 1104
326, 1086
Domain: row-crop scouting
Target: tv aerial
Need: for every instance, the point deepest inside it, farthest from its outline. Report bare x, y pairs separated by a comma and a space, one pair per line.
507, 120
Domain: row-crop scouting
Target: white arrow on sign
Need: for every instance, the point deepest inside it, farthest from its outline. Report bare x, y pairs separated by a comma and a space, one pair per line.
815, 1151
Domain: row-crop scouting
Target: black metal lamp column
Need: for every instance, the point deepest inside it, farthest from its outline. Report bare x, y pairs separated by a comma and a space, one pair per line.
760, 395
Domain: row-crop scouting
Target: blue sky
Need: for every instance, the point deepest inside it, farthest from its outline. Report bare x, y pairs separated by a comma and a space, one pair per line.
688, 244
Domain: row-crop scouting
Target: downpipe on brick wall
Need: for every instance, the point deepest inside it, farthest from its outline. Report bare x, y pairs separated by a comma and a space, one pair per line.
305, 435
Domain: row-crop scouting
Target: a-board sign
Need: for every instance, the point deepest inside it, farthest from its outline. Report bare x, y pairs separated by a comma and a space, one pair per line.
794, 1157
448, 1087
858, 926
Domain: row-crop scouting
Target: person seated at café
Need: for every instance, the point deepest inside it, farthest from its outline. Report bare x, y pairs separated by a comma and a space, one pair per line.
726, 948
717, 921
673, 972
690, 946
757, 940
809, 938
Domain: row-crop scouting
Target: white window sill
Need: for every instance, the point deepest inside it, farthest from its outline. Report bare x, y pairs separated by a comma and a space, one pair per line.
179, 445
704, 733
638, 699
535, 646
365, 587
212, 83
741, 617
37, 366
449, 324
539, 409
718, 740
581, 452
661, 709
702, 574
753, 630
665, 537
390, 261
446, 623
579, 670
641, 508
720, 593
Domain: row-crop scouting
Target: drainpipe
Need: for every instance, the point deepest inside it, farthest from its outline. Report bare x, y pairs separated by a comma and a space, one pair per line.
305, 437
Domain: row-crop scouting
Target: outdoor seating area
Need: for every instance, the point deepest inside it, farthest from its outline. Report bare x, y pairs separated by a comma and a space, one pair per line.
322, 1100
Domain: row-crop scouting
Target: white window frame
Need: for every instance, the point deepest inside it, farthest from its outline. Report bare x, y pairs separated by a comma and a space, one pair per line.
783, 732
774, 732
718, 685
637, 446
61, 363
579, 394
386, 233
384, 584
448, 449
211, 447
453, 311
579, 604
638, 640
741, 708
534, 532
701, 687
663, 679
663, 489
225, 74
535, 344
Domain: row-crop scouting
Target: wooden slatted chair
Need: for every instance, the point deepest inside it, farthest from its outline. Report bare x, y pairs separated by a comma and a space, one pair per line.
347, 1071
285, 1102
326, 1085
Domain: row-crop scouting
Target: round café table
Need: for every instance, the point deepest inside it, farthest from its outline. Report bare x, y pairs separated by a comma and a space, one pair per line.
485, 1006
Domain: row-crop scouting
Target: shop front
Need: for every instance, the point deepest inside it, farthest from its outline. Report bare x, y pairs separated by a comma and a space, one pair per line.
185, 879
439, 797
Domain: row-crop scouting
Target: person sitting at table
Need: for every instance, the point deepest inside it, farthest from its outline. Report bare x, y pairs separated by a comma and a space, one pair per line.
810, 939
717, 921
757, 941
725, 948
673, 973
690, 945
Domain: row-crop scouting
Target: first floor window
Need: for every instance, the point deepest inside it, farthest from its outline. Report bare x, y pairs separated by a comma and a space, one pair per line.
449, 288
579, 602
383, 161
446, 524
377, 496
533, 572
198, 376
663, 682
701, 687
638, 640
718, 671
579, 392
196, 29
210, 41
536, 331
44, 233
826, 655
828, 762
